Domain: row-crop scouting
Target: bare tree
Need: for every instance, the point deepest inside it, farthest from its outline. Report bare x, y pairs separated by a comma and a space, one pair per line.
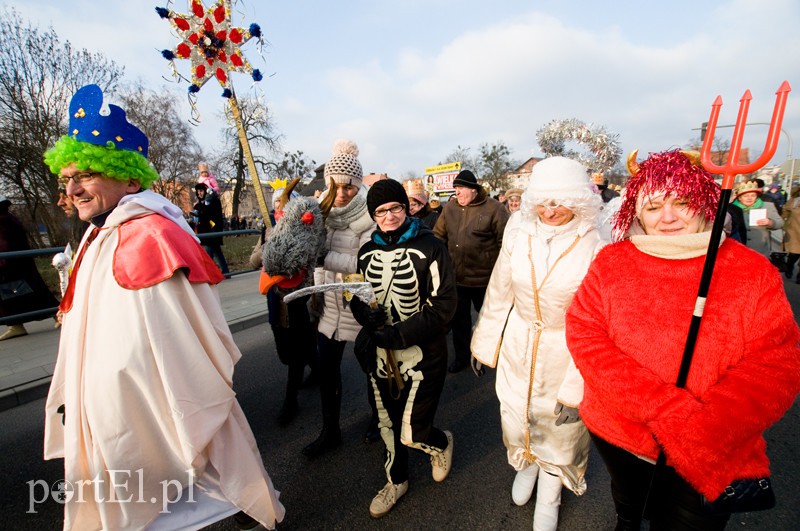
174, 151
38, 76
495, 164
468, 160
295, 165
264, 143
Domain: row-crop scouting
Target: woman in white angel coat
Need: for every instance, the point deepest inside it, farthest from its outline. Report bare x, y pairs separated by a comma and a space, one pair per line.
547, 248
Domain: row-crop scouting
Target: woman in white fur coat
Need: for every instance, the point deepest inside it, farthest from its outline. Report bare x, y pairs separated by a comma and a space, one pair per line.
349, 226
547, 248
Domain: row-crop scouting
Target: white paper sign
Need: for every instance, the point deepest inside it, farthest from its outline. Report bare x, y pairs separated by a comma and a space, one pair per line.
756, 214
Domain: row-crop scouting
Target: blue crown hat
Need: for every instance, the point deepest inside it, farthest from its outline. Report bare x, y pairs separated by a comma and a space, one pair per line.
86, 124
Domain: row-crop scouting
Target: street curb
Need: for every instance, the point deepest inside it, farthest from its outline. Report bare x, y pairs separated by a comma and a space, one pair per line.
30, 391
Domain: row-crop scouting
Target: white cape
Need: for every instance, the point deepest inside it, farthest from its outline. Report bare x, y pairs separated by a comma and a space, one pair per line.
145, 377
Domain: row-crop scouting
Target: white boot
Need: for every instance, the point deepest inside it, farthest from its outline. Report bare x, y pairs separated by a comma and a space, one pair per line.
524, 481
548, 499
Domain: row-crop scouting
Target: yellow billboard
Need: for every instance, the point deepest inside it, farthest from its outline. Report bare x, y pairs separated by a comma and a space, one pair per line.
443, 168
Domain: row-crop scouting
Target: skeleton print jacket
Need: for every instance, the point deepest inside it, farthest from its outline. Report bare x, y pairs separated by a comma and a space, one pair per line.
411, 273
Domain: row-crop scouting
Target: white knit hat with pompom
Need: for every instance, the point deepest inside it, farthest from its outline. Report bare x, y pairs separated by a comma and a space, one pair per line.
344, 167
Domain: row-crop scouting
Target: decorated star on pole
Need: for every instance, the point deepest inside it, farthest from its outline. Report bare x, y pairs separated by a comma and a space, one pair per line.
213, 47
210, 43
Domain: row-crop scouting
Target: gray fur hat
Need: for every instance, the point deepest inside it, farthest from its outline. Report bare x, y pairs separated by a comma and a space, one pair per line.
297, 240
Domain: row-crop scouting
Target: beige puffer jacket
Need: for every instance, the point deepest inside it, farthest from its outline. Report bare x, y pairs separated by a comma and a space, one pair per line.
337, 322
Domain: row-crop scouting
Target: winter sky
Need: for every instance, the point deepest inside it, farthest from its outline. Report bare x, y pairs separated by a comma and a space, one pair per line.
411, 80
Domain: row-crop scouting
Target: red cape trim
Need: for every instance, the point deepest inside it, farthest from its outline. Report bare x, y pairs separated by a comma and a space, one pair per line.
152, 248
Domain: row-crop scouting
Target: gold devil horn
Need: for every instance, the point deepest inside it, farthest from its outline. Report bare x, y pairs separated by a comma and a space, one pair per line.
633, 166
694, 157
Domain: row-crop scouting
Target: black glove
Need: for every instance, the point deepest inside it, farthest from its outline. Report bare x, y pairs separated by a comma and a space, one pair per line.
364, 349
566, 414
477, 367
375, 317
359, 310
387, 337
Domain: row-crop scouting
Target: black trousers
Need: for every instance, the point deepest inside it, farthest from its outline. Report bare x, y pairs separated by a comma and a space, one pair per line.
329, 363
296, 343
673, 504
461, 324
215, 252
791, 260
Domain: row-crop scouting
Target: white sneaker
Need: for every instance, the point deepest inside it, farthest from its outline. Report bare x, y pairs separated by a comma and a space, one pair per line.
548, 500
443, 461
386, 498
524, 481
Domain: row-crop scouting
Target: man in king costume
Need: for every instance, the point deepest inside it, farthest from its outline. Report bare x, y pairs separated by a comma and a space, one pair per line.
141, 405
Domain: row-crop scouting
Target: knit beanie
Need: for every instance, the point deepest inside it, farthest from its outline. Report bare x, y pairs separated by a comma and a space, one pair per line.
386, 191
344, 167
467, 179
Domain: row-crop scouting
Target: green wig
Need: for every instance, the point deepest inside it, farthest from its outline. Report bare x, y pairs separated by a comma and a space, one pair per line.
118, 164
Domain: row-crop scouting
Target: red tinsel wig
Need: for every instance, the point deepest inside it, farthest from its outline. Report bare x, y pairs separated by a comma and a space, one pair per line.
676, 173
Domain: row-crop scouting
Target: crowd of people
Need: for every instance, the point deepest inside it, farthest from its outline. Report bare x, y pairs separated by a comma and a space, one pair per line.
585, 336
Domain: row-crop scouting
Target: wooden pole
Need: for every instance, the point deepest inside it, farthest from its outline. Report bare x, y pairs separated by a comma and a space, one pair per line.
248, 156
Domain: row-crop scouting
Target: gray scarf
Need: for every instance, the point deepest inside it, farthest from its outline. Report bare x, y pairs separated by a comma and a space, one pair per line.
342, 217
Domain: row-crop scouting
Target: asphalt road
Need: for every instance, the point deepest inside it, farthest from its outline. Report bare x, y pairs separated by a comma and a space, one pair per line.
334, 491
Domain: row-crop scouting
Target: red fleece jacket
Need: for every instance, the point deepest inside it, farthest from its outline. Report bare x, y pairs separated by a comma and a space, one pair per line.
626, 330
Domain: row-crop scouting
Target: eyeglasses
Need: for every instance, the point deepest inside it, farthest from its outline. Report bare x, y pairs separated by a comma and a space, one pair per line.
396, 209
79, 178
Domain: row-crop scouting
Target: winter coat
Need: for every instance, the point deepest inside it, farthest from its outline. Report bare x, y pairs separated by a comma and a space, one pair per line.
759, 239
534, 366
413, 279
428, 216
738, 229
474, 236
626, 329
337, 322
209, 218
791, 230
22, 288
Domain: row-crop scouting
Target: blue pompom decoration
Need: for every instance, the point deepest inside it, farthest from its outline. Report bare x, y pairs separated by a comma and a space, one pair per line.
168, 55
227, 93
257, 75
255, 30
194, 88
163, 12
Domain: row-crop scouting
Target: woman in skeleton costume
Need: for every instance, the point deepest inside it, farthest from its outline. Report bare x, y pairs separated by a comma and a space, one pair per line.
547, 248
402, 345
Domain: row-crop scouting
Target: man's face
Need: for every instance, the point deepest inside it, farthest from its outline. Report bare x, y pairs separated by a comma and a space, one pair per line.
465, 195
201, 193
95, 193
65, 203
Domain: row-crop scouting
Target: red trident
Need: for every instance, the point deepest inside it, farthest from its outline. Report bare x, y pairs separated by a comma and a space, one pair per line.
732, 168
